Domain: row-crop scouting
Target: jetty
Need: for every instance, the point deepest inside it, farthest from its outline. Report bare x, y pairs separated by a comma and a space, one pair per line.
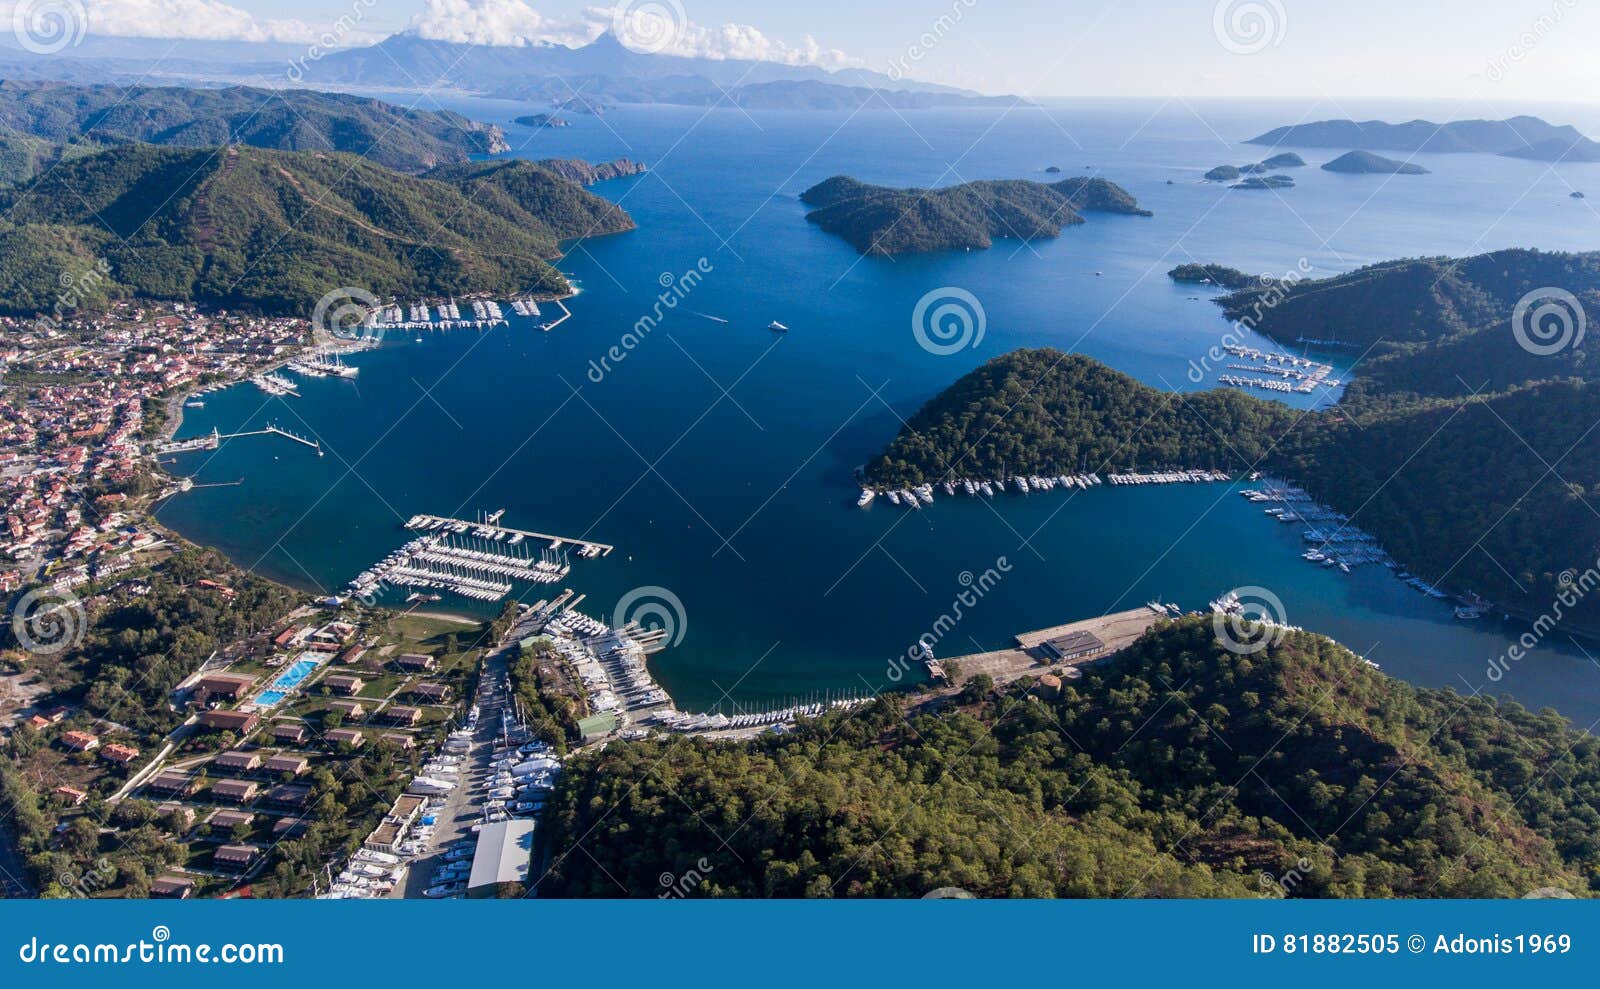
213, 439
489, 528
1075, 644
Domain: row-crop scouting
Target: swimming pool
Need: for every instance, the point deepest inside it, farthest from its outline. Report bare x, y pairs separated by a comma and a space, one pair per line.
289, 679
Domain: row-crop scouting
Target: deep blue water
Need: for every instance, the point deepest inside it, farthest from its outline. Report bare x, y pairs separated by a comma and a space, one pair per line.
718, 456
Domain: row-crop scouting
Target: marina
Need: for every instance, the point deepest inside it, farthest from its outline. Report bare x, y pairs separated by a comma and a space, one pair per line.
1284, 372
1333, 542
922, 494
480, 561
481, 314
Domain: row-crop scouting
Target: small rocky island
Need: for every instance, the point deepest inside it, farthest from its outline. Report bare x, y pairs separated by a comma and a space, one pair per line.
881, 220
1367, 163
1230, 173
1265, 182
542, 120
1195, 273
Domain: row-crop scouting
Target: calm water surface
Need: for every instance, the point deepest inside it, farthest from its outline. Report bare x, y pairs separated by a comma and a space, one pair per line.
717, 456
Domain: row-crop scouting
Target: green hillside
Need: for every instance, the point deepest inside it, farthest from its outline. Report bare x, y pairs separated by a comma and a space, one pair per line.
1177, 769
274, 230
288, 120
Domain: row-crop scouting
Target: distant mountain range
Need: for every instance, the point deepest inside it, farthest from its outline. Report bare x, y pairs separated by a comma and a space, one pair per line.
1514, 137
604, 71
608, 71
289, 120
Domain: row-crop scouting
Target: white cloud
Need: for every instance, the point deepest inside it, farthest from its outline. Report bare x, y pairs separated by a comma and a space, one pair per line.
513, 23
502, 23
201, 20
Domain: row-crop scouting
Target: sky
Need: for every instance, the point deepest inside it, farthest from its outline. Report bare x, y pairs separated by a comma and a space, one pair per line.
1491, 52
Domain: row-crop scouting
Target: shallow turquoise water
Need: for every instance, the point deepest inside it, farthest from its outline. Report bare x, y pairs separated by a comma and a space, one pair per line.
717, 456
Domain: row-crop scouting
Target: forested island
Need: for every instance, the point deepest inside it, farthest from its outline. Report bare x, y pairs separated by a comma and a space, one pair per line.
1468, 454
884, 221
1146, 777
1514, 137
1211, 274
1231, 173
1367, 163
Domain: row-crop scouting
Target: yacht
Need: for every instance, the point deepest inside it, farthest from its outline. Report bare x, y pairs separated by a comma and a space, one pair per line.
867, 494
777, 327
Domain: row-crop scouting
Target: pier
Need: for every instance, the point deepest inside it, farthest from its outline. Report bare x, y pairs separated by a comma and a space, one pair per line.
492, 530
213, 439
1074, 644
481, 560
566, 314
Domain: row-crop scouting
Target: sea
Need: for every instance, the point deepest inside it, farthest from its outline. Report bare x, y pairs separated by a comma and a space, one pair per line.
717, 455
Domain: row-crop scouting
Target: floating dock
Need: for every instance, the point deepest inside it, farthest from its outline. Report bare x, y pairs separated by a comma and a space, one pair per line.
494, 531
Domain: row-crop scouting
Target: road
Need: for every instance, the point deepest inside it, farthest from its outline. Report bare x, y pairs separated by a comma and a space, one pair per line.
464, 806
